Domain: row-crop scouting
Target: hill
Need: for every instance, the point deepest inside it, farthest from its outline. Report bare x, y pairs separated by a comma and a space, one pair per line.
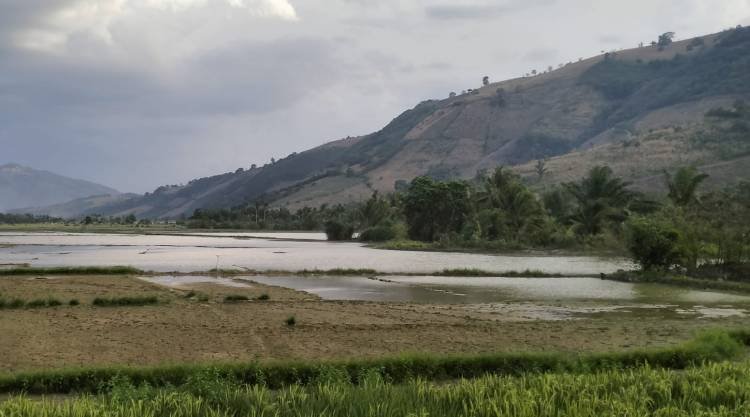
26, 187
641, 110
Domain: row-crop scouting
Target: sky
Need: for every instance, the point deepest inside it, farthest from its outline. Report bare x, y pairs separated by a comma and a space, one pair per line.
139, 93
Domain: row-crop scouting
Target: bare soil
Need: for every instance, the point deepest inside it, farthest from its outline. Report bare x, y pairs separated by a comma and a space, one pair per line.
183, 330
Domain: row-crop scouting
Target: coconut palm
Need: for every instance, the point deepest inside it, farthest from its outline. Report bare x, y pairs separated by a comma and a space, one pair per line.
509, 207
683, 185
601, 198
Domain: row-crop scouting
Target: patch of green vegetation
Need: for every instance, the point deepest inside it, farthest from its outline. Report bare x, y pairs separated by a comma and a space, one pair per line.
263, 297
709, 347
711, 390
91, 270
290, 321
18, 303
125, 301
473, 272
667, 278
236, 298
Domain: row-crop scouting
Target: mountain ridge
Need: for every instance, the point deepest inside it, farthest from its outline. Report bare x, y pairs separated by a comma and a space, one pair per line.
22, 186
603, 109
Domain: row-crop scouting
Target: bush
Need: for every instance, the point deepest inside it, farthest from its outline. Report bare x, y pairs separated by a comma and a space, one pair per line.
380, 233
125, 301
338, 231
53, 302
263, 297
74, 302
290, 321
235, 298
38, 303
653, 243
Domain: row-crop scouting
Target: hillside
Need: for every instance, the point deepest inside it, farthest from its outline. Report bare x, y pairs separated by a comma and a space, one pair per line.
641, 110
26, 187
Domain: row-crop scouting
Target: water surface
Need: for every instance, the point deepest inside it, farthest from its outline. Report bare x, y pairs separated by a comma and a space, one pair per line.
166, 253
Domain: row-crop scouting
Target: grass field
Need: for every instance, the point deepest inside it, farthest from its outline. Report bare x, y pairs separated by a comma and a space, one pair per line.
721, 390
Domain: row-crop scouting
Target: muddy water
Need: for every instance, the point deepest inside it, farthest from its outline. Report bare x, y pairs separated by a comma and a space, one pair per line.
460, 290
165, 253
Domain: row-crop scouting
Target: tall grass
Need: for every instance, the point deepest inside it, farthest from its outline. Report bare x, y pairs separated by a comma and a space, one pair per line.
92, 270
714, 390
711, 346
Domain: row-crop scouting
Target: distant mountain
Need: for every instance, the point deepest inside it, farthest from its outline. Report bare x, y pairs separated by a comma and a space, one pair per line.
640, 110
26, 187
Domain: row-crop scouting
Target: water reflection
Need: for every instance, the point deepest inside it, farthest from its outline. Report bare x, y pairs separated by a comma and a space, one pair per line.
165, 253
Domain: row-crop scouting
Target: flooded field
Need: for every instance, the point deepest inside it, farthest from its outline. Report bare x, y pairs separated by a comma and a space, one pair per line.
167, 253
207, 318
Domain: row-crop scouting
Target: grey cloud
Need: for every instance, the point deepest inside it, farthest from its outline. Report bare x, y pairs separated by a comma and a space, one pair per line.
481, 11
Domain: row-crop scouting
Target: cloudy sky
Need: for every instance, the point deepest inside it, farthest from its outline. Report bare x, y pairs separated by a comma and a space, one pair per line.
139, 93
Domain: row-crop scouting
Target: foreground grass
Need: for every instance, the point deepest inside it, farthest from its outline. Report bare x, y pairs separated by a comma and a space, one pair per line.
709, 347
720, 390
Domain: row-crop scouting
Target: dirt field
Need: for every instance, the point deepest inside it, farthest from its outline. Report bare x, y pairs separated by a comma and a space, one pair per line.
188, 330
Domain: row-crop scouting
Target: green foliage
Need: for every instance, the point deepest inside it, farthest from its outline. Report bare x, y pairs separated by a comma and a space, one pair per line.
433, 208
381, 233
712, 390
291, 321
338, 231
263, 297
508, 209
125, 301
653, 243
601, 198
683, 185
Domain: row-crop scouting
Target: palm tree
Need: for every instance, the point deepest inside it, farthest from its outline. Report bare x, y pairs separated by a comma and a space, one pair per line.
683, 185
601, 197
511, 204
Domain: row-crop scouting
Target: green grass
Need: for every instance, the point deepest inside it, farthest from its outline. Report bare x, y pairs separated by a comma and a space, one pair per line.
679, 280
93, 270
709, 347
125, 301
712, 390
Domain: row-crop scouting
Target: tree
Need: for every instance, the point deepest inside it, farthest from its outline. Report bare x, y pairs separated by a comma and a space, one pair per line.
653, 243
683, 185
508, 209
373, 212
600, 197
540, 168
486, 80
434, 208
665, 39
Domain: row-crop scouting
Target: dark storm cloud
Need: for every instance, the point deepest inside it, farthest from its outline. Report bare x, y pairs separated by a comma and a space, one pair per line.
138, 93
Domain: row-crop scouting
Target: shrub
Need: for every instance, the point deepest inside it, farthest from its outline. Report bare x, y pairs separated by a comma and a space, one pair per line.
290, 321
338, 231
16, 303
191, 294
235, 298
263, 297
53, 302
380, 233
74, 302
38, 303
125, 301
653, 243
